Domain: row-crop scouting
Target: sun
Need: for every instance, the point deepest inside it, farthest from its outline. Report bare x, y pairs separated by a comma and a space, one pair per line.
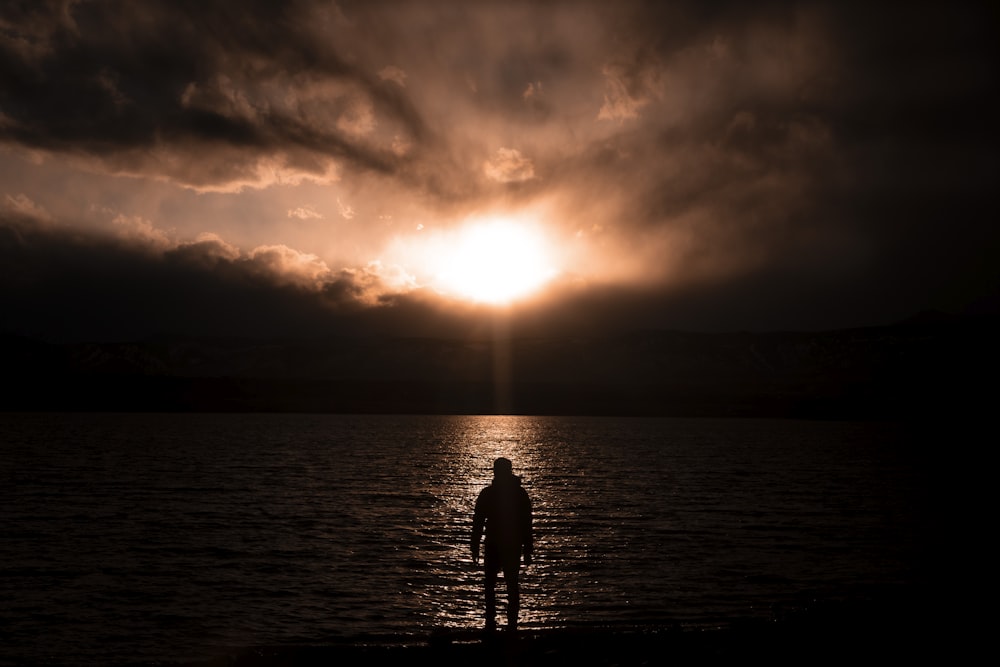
495, 261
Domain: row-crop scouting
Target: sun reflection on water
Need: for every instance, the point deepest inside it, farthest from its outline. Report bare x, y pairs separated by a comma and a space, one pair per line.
539, 459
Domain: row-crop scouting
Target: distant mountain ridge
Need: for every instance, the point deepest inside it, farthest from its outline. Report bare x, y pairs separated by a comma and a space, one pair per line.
927, 363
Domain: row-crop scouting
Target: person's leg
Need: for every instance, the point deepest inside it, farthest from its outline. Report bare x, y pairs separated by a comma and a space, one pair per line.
510, 574
491, 596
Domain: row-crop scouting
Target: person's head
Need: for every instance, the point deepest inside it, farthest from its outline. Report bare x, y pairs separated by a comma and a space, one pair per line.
502, 467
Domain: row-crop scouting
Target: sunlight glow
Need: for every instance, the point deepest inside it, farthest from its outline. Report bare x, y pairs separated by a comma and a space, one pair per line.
495, 261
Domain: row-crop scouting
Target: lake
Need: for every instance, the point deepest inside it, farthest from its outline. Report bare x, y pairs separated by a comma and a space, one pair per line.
165, 537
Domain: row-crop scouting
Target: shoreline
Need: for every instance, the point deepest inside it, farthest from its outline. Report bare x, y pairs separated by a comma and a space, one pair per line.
826, 635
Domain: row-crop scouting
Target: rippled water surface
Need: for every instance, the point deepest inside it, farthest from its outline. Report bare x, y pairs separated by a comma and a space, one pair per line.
163, 537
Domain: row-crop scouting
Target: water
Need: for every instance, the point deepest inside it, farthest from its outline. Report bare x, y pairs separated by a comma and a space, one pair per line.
166, 537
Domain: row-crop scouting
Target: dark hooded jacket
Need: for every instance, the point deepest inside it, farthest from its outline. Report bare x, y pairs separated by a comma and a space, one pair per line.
504, 510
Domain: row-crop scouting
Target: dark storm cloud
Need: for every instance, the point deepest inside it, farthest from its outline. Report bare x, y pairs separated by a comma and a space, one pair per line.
71, 285
843, 149
207, 93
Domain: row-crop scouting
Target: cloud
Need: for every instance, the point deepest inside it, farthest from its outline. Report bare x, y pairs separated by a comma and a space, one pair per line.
629, 87
207, 251
346, 211
371, 285
74, 285
509, 166
304, 213
161, 95
534, 90
289, 265
393, 73
828, 155
137, 228
22, 205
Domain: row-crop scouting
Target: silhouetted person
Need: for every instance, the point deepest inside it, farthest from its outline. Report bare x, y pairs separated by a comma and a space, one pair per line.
504, 509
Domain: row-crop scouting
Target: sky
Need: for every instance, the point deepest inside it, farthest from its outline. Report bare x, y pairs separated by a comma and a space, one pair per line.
313, 168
